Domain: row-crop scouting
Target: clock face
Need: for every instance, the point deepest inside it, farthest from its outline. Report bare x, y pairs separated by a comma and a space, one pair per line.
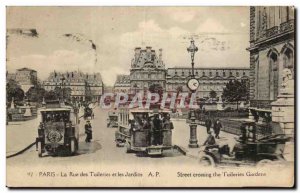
193, 84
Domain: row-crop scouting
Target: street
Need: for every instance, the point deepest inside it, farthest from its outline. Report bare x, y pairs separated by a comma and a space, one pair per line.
102, 149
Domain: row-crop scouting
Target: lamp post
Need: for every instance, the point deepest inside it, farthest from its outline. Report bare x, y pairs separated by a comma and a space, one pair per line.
62, 89
193, 84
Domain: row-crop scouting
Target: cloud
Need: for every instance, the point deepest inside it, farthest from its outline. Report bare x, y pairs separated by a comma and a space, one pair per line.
182, 15
211, 26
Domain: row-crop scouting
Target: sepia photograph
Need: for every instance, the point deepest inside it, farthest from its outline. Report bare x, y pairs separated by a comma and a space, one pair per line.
150, 96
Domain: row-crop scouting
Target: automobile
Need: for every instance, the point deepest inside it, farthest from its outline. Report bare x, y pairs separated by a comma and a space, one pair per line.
248, 150
141, 135
112, 120
58, 131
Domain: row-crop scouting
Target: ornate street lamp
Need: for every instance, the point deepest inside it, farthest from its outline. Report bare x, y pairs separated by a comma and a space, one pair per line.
193, 84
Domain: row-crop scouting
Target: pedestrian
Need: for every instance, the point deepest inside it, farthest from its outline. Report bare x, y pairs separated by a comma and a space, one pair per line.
217, 128
88, 132
208, 124
157, 129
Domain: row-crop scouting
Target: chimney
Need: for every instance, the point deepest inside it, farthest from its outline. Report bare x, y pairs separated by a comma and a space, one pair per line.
160, 54
148, 49
137, 51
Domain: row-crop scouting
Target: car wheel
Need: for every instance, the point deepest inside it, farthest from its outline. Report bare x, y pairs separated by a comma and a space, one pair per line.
39, 148
128, 148
206, 161
264, 162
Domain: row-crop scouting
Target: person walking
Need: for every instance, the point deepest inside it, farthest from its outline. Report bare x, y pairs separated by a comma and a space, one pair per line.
88, 132
217, 128
208, 124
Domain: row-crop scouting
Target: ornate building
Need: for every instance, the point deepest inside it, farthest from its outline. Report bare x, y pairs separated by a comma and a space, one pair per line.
210, 79
79, 83
122, 84
147, 69
26, 77
271, 50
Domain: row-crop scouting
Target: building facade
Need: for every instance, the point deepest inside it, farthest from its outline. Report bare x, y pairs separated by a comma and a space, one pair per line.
210, 79
122, 84
26, 78
271, 50
81, 84
147, 69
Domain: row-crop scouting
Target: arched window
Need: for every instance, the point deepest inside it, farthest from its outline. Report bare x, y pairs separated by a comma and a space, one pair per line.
273, 75
288, 59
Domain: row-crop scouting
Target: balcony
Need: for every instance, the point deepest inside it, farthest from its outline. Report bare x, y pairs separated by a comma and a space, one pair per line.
272, 32
287, 26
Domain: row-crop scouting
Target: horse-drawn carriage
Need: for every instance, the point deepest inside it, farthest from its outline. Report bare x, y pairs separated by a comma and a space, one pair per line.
58, 132
148, 131
249, 150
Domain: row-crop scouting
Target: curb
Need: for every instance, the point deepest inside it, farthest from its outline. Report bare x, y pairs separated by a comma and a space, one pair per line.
22, 151
185, 152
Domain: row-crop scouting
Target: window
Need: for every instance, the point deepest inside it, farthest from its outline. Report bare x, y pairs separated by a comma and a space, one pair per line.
224, 74
230, 73
203, 73
244, 73
237, 74
288, 59
182, 73
210, 74
217, 73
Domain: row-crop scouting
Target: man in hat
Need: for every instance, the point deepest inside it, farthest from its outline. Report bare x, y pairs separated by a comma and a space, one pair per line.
208, 124
210, 141
88, 132
217, 128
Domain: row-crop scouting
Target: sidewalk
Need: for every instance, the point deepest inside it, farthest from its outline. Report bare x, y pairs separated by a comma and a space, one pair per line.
181, 136
20, 134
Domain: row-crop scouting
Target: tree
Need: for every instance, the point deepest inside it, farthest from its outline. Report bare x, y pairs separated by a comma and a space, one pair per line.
236, 91
64, 93
213, 94
13, 89
51, 95
36, 93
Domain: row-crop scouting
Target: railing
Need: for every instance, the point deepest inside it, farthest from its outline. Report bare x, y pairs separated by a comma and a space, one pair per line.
284, 27
272, 31
287, 26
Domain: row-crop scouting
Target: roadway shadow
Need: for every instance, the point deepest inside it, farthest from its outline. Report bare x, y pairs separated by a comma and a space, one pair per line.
87, 148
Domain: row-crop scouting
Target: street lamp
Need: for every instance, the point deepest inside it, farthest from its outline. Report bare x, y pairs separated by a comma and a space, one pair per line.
193, 84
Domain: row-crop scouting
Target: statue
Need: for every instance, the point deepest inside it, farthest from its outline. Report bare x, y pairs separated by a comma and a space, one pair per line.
287, 82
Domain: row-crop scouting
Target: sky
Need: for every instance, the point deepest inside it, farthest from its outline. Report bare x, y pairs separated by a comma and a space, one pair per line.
102, 39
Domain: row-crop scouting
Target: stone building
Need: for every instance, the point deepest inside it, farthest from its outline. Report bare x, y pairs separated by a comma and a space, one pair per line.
210, 79
147, 69
79, 83
26, 78
271, 50
122, 84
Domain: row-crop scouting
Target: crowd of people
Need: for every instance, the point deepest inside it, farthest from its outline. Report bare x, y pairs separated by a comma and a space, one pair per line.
155, 124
